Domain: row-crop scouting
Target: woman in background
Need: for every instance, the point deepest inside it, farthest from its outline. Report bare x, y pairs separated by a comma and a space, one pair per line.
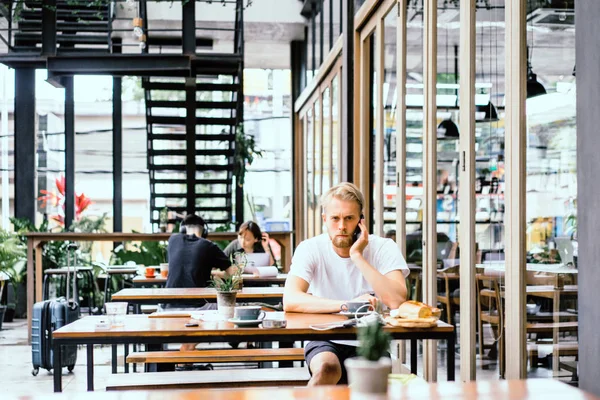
250, 240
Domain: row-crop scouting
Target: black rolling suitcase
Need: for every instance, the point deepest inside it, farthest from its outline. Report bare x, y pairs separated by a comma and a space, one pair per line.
50, 315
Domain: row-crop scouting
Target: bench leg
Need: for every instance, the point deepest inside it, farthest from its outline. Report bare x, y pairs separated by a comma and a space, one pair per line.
126, 353
134, 364
286, 345
265, 345
154, 367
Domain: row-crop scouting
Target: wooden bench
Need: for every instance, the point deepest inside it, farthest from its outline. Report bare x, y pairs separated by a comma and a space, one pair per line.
217, 356
225, 378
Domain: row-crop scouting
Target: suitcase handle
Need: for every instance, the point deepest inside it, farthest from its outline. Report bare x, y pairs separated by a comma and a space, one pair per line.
72, 250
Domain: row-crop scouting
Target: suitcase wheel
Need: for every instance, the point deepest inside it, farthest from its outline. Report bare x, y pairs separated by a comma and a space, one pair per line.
71, 368
35, 371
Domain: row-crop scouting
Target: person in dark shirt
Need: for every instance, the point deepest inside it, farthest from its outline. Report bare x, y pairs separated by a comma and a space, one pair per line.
192, 257
250, 240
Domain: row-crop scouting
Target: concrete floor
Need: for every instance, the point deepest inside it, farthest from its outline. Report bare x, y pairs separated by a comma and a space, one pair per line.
15, 368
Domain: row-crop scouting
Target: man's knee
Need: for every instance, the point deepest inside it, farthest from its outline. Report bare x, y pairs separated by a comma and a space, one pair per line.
326, 368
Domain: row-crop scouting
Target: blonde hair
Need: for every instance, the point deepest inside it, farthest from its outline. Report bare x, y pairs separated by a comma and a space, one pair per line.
343, 191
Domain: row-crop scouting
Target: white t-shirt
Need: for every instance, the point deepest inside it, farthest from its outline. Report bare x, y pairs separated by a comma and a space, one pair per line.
334, 277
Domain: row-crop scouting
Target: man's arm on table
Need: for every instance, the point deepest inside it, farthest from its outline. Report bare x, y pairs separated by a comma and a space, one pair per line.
389, 288
296, 298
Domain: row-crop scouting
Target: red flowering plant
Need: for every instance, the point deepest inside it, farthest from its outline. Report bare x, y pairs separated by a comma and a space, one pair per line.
57, 199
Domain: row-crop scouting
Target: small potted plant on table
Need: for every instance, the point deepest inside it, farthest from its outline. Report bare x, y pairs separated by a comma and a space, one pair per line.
368, 373
227, 287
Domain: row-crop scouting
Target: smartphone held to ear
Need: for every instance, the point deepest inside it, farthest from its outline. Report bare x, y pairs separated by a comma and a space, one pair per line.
357, 231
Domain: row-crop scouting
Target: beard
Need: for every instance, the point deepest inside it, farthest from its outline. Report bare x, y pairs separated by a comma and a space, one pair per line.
342, 242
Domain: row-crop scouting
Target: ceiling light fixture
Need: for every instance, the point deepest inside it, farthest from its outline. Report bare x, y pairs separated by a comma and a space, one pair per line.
447, 130
534, 88
490, 112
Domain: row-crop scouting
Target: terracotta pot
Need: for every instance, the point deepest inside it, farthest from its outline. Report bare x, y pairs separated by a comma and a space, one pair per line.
226, 303
368, 377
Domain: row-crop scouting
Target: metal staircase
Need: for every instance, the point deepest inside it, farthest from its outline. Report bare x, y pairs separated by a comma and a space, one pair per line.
194, 99
79, 28
191, 127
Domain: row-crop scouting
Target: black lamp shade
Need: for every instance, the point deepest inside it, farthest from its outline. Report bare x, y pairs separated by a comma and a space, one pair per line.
491, 114
447, 129
534, 88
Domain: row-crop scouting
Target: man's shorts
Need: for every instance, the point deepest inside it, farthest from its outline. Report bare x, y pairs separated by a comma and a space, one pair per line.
341, 351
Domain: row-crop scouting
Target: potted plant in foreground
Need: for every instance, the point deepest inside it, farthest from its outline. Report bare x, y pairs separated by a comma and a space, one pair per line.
368, 373
227, 287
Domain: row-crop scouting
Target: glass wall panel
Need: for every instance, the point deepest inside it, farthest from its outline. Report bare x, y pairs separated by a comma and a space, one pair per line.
414, 147
318, 167
372, 125
551, 186
335, 130
489, 189
390, 112
326, 140
414, 154
448, 263
310, 174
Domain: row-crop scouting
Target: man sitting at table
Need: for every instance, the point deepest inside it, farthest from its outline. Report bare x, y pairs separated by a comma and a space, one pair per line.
191, 259
336, 267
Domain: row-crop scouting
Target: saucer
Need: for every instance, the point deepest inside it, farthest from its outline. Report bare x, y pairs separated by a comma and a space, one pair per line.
350, 314
246, 322
150, 276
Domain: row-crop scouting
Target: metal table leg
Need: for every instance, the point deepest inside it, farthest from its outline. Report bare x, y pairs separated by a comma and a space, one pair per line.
90, 367
451, 361
413, 356
114, 358
57, 369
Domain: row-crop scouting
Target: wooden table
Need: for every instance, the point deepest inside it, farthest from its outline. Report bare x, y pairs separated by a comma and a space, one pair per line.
191, 295
36, 241
532, 389
249, 280
138, 328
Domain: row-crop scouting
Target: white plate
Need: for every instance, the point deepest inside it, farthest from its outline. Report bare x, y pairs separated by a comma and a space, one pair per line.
352, 314
245, 322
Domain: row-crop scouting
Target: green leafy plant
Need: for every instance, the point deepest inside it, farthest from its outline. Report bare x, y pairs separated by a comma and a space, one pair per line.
13, 256
239, 259
54, 254
145, 253
374, 341
227, 283
245, 152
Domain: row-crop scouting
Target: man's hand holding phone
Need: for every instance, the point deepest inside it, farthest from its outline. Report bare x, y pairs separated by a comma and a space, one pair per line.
361, 238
